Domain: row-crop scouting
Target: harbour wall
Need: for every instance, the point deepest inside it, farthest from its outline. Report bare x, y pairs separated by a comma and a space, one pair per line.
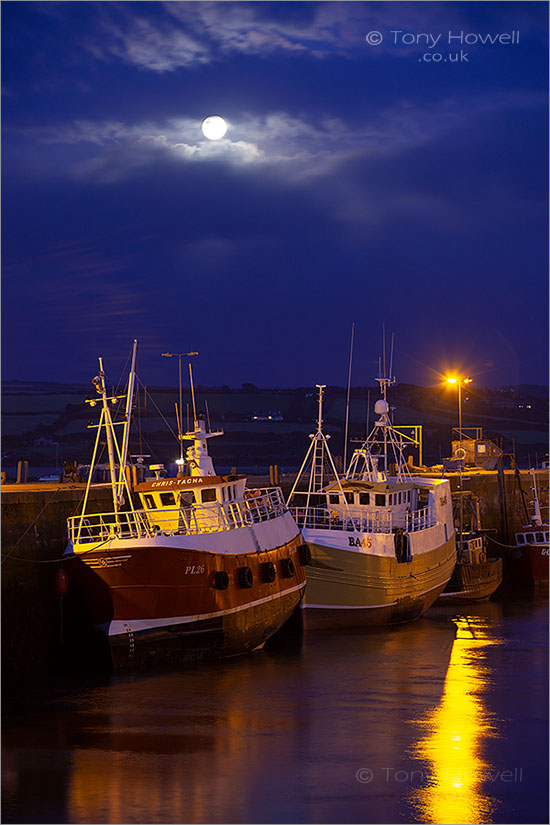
34, 536
502, 506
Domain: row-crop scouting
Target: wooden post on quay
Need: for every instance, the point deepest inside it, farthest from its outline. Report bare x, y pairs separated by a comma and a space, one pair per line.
22, 472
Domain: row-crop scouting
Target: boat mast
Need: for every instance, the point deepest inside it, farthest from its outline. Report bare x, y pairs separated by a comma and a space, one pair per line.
99, 382
317, 440
193, 394
385, 381
536, 517
373, 448
384, 384
179, 413
91, 470
127, 420
319, 446
317, 465
347, 399
198, 460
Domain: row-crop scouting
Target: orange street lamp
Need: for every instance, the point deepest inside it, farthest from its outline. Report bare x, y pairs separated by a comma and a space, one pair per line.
459, 381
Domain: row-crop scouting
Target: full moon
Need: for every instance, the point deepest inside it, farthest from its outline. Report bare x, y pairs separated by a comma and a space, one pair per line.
214, 127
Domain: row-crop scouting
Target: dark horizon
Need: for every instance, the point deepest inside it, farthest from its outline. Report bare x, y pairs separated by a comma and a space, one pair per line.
248, 386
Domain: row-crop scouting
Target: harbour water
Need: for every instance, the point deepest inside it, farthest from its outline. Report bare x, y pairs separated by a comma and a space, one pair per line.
442, 720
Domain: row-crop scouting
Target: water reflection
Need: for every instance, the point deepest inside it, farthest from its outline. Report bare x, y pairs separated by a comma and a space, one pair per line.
328, 733
189, 761
457, 731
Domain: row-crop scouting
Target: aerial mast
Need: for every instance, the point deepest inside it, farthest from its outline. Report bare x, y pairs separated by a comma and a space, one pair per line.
179, 412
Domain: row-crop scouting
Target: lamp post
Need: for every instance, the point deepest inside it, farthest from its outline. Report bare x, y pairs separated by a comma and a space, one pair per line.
459, 381
179, 356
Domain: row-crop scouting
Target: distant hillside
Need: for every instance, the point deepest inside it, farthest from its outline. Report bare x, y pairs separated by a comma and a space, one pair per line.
41, 420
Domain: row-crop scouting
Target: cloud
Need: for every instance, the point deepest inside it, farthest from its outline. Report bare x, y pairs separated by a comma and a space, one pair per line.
82, 275
155, 44
183, 34
291, 146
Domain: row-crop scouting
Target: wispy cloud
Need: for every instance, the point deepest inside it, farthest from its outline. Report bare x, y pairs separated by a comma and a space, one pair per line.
80, 274
182, 34
155, 44
288, 145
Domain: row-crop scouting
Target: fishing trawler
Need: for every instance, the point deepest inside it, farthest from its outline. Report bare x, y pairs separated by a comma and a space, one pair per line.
476, 576
198, 566
529, 558
382, 546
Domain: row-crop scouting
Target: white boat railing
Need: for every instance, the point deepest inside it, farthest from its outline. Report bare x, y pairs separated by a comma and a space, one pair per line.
257, 506
323, 518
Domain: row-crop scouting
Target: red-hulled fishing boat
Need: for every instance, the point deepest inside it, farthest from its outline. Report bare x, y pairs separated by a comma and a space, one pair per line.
183, 568
529, 558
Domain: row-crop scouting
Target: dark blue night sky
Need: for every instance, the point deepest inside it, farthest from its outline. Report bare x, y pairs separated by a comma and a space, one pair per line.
356, 183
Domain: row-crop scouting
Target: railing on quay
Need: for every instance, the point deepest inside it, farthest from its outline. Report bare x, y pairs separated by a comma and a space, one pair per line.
257, 506
323, 518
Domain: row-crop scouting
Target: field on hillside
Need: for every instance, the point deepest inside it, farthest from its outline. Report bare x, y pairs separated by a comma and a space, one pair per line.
35, 418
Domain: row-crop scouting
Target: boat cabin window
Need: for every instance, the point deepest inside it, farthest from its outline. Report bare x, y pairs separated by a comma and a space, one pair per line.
520, 538
149, 501
332, 499
530, 538
539, 538
380, 500
423, 498
186, 498
167, 499
315, 499
546, 537
364, 498
349, 497
208, 495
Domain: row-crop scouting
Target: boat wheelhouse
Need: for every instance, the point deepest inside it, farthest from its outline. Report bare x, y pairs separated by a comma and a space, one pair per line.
382, 545
183, 568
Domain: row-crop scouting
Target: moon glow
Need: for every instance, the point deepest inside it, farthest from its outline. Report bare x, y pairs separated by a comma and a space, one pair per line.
214, 127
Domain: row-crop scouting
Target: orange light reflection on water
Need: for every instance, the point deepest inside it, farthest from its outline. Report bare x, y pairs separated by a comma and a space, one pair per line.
453, 746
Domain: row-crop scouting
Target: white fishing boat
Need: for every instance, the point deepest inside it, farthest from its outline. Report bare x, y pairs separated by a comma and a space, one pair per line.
382, 546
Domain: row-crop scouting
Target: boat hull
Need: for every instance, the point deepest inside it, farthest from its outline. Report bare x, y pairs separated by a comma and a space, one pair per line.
185, 642
346, 589
163, 604
528, 565
472, 582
